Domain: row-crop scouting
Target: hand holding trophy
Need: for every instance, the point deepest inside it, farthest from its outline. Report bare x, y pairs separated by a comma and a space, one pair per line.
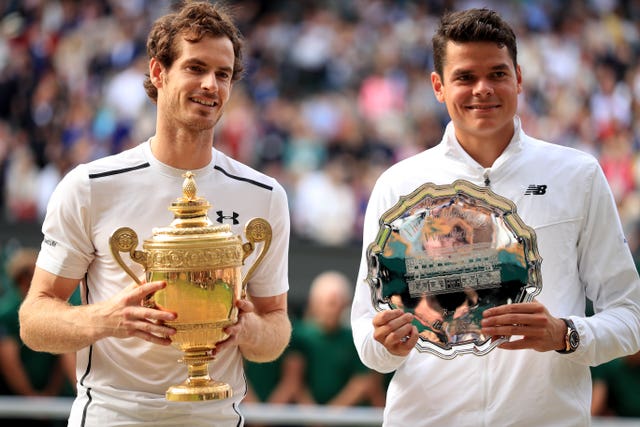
202, 266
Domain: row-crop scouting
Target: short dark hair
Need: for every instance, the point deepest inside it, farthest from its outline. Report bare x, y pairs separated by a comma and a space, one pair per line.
192, 20
472, 25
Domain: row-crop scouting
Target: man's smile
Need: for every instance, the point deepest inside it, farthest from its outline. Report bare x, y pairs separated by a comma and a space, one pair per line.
482, 107
205, 102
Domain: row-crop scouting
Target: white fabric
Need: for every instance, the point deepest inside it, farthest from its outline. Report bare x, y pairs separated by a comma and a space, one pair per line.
86, 208
584, 254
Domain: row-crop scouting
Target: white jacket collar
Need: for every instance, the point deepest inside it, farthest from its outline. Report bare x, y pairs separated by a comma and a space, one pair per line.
455, 150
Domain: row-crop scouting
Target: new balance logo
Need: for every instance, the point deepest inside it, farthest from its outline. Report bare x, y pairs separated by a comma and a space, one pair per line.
536, 190
233, 217
50, 242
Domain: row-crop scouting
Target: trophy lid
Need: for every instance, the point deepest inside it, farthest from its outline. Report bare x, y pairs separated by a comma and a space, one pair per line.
190, 214
190, 210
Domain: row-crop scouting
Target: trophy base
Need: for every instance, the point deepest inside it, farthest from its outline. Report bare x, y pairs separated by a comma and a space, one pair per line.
194, 391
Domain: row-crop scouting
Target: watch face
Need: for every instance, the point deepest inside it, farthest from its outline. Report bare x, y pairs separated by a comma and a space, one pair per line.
574, 339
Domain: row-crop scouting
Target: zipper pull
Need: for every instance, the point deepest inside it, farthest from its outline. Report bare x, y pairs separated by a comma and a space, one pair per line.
487, 181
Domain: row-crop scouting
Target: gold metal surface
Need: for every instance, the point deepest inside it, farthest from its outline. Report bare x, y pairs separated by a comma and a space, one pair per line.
202, 266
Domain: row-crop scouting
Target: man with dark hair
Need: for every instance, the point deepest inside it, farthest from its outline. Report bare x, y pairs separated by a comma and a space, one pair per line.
539, 377
124, 361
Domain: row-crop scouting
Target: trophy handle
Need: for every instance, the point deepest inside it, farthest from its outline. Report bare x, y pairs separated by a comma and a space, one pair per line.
126, 240
256, 230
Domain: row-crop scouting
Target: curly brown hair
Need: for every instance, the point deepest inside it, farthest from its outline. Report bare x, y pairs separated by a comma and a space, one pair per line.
192, 20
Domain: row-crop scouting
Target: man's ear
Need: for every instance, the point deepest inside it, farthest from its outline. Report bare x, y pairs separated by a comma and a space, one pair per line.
156, 71
438, 86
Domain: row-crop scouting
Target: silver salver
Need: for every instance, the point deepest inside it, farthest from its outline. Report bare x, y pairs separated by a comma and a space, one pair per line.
446, 253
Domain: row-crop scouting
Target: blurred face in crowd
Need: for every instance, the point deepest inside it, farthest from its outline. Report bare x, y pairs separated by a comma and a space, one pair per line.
328, 299
479, 86
193, 91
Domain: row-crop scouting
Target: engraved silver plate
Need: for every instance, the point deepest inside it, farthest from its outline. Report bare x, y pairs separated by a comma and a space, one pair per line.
446, 253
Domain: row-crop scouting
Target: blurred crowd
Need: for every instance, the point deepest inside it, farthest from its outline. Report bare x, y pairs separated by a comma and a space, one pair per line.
335, 91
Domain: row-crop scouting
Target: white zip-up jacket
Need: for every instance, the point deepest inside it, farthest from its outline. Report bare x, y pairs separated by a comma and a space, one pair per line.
584, 255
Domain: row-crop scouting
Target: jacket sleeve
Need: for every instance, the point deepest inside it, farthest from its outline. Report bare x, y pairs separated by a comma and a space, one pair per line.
373, 354
607, 269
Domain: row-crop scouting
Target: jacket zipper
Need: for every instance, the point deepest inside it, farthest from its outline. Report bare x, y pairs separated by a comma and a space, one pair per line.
487, 181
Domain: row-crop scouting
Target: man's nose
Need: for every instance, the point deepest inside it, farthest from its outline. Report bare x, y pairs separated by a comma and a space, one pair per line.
483, 88
210, 82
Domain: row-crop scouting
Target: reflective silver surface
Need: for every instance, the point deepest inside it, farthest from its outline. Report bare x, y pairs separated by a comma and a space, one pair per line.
446, 253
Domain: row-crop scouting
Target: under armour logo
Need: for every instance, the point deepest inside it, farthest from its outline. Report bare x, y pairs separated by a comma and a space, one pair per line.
536, 190
222, 217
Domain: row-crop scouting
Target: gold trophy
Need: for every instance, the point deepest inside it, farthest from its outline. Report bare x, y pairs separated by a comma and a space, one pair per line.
202, 266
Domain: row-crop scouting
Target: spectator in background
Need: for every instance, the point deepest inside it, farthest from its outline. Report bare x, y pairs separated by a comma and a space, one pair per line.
325, 207
323, 344
21, 182
616, 159
26, 372
616, 388
321, 366
610, 102
50, 175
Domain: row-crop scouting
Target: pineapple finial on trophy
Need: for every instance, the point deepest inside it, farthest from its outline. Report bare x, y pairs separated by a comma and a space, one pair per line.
190, 210
189, 188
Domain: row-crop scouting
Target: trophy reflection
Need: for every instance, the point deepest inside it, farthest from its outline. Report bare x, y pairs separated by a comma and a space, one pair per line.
202, 266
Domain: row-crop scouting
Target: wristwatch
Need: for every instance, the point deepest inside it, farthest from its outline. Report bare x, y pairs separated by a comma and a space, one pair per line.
571, 338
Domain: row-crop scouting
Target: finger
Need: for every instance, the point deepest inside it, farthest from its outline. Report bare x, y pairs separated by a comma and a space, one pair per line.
402, 345
413, 337
152, 338
149, 291
398, 327
386, 316
137, 313
390, 335
132, 325
141, 292
229, 341
233, 329
516, 319
527, 307
516, 329
403, 335
502, 331
245, 306
152, 321
519, 344
152, 313
394, 319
